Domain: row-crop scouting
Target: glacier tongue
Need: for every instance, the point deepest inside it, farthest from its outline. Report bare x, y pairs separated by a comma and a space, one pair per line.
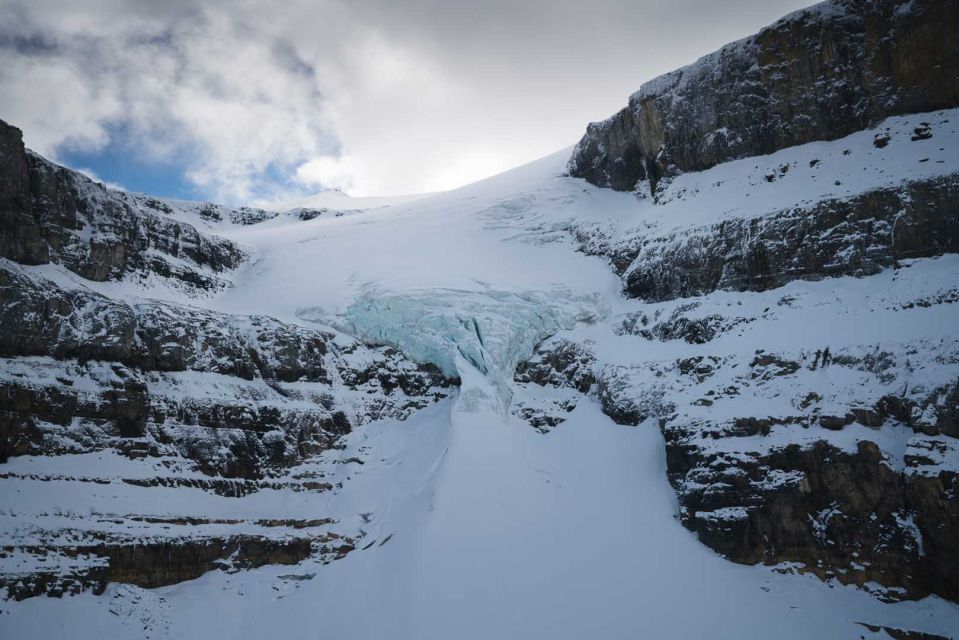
478, 336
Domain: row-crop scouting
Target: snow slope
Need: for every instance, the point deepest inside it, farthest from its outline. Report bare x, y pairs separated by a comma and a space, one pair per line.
484, 528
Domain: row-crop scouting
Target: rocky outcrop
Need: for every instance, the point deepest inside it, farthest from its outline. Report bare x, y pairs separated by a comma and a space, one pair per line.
20, 234
40, 318
843, 515
817, 74
253, 393
51, 214
838, 459
559, 363
857, 236
679, 325
207, 212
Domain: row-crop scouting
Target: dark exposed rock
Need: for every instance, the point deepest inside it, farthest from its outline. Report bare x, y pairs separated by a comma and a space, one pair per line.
626, 402
312, 214
177, 338
867, 417
901, 634
678, 326
395, 372
544, 419
945, 403
768, 365
40, 318
20, 234
818, 74
937, 414
844, 515
922, 132
881, 140
162, 563
835, 423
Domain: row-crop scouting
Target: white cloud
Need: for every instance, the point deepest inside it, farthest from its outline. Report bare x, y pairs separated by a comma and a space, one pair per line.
203, 87
257, 99
331, 172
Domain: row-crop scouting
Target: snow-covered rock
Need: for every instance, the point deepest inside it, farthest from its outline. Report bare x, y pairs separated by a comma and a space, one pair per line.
818, 74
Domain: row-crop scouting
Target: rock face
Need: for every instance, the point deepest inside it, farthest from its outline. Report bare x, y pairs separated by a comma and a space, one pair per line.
51, 214
838, 456
774, 457
818, 74
160, 564
19, 233
842, 514
856, 236
149, 363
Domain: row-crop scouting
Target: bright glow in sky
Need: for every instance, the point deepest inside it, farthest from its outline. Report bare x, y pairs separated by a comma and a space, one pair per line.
247, 101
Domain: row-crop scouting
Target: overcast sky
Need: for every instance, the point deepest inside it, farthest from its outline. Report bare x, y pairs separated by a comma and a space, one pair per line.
244, 101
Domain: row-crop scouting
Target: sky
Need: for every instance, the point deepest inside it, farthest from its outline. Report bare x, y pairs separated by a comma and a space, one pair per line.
254, 102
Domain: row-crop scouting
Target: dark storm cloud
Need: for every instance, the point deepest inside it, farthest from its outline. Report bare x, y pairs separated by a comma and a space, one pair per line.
368, 95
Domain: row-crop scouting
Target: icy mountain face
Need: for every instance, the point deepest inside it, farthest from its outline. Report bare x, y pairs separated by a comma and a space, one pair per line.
237, 394
817, 74
208, 402
528, 407
814, 423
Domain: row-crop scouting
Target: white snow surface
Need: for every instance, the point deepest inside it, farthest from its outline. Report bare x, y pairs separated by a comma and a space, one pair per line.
472, 524
480, 527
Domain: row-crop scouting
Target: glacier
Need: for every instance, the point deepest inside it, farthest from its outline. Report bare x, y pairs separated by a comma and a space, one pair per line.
488, 330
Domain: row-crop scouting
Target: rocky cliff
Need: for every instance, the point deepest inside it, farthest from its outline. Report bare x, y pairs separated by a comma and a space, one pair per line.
817, 74
833, 448
51, 214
